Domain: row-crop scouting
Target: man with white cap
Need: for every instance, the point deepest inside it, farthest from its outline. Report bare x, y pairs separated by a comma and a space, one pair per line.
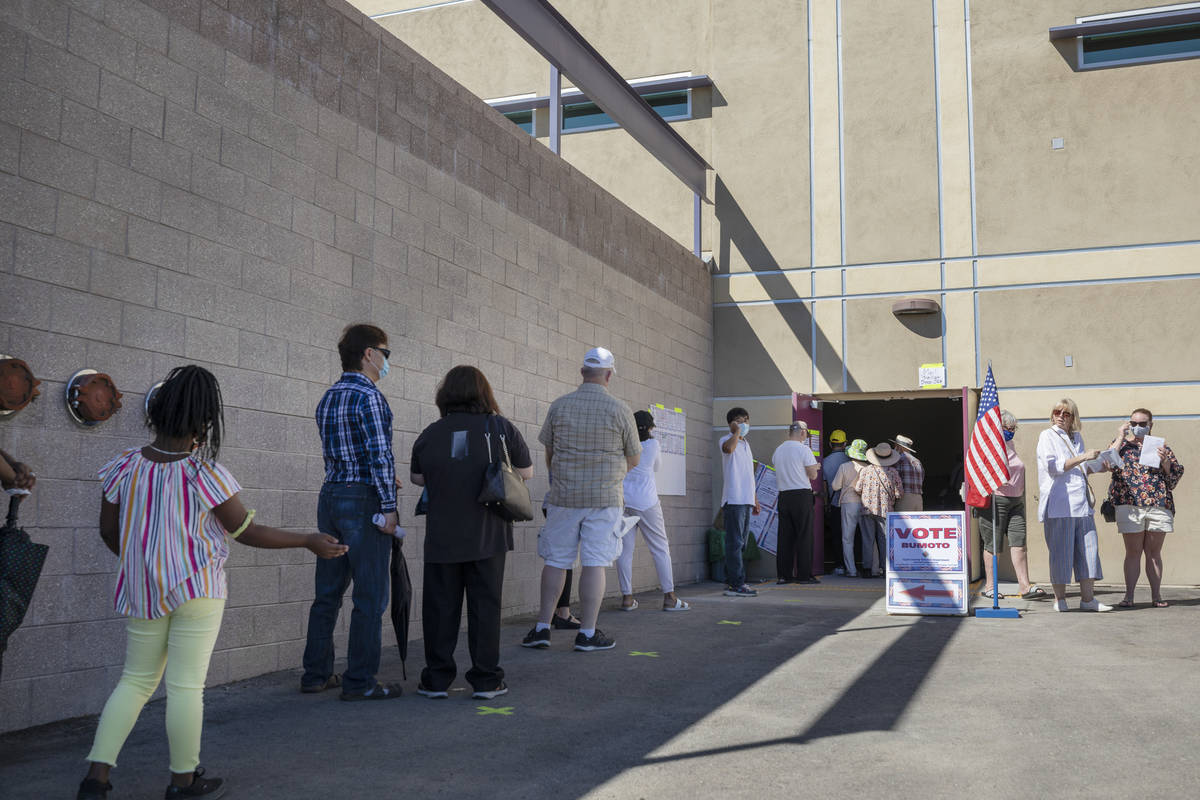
591, 441
912, 474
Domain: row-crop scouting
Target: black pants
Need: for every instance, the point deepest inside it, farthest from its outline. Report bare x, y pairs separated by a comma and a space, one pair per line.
793, 561
441, 616
564, 599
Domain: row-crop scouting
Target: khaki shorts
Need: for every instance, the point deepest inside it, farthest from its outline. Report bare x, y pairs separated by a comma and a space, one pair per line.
590, 534
1135, 519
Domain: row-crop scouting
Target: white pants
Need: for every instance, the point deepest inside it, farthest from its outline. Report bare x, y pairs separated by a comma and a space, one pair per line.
654, 531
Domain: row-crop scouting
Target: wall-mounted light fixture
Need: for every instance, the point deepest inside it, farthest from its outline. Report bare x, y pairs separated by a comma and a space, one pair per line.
917, 306
92, 397
18, 387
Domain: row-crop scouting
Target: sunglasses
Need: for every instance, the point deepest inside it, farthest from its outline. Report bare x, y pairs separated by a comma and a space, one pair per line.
386, 353
1060, 413
1139, 422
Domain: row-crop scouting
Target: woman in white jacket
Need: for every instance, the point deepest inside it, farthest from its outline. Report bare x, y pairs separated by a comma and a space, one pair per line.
641, 501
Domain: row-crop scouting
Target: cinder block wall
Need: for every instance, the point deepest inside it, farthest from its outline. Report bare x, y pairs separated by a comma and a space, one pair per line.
230, 183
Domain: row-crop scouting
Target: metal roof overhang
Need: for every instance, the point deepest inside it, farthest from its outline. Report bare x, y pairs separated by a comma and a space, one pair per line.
643, 88
1119, 24
550, 34
899, 394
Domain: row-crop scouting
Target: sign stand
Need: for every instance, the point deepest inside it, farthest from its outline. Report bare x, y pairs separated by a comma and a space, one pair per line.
926, 563
996, 612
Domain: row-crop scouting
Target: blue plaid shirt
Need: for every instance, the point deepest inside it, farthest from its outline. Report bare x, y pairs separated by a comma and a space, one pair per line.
355, 423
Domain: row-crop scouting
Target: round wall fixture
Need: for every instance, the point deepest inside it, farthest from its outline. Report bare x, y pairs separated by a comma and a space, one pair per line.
915, 306
92, 397
18, 387
150, 397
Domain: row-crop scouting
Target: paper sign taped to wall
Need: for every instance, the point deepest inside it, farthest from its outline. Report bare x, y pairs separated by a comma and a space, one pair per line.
932, 376
670, 429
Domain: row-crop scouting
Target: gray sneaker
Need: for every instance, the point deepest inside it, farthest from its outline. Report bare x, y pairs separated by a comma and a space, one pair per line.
740, 591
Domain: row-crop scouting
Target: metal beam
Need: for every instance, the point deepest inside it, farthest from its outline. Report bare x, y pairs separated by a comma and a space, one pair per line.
540, 24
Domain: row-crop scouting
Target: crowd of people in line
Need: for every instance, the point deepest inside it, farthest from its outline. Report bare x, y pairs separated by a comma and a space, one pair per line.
169, 510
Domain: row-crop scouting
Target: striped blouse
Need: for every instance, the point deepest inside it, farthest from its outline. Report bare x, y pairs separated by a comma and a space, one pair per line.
173, 549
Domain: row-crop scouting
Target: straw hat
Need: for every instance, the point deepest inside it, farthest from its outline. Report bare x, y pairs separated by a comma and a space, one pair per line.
882, 455
905, 442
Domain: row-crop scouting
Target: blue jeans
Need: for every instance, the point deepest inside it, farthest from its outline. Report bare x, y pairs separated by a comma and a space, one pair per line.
344, 512
737, 523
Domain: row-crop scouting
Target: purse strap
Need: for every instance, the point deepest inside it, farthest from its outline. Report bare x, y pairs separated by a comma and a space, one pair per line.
503, 441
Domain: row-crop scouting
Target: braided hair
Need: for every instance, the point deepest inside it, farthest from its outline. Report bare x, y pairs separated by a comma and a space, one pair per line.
189, 404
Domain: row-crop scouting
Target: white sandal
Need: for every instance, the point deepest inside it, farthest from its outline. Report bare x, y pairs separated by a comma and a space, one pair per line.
679, 606
632, 607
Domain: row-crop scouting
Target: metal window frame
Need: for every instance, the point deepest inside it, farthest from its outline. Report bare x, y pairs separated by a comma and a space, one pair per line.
1126, 62
608, 126
643, 86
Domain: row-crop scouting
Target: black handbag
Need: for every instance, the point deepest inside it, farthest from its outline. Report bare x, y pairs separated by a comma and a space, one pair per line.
504, 491
1108, 511
422, 504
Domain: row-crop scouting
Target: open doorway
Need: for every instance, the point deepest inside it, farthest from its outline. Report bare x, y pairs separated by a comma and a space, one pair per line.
934, 423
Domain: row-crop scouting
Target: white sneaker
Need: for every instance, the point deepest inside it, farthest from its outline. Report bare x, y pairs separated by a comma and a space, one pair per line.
1061, 605
1094, 605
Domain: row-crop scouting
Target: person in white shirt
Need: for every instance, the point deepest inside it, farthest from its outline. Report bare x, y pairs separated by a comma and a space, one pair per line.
737, 499
641, 501
1065, 507
795, 469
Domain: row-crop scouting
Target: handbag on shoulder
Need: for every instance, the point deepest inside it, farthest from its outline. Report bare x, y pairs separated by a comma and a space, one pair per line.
504, 491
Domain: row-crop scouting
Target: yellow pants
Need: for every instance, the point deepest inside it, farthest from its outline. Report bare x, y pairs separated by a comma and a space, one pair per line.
182, 644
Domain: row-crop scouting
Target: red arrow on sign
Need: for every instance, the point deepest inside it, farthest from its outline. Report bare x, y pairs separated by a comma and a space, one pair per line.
920, 592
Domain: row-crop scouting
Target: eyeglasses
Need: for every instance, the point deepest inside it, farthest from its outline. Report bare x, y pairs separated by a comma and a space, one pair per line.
386, 353
1058, 412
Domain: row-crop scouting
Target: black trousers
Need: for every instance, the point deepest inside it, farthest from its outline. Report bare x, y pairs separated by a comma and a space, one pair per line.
441, 616
793, 561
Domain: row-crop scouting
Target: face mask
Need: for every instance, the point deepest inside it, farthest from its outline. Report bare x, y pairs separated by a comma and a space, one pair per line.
1139, 430
1008, 435
385, 369
743, 428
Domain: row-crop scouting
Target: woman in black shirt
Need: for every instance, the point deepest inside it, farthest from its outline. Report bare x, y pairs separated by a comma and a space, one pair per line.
465, 543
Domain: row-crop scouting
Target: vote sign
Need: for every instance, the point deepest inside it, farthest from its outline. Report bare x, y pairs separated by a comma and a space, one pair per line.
927, 562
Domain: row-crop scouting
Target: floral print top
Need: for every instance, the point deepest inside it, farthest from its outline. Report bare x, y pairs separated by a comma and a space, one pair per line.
1136, 484
880, 488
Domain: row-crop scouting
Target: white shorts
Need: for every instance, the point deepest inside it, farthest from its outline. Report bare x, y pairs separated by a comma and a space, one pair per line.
593, 535
1135, 519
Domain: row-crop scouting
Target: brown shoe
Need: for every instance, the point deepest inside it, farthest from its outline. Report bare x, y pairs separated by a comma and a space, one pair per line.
332, 682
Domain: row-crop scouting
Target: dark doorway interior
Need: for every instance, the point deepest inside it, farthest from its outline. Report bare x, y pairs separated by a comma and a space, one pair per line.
935, 426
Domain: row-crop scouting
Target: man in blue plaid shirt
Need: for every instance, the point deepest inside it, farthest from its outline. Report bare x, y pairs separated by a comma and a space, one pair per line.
355, 423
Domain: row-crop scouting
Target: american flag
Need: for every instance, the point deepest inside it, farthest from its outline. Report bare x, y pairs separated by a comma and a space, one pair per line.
986, 462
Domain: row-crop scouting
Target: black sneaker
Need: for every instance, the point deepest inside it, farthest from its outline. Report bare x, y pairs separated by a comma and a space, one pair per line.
560, 624
597, 641
92, 789
433, 694
740, 591
491, 694
200, 787
536, 638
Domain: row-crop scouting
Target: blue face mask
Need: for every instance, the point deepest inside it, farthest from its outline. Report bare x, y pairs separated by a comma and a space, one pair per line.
1139, 430
1008, 435
385, 369
743, 428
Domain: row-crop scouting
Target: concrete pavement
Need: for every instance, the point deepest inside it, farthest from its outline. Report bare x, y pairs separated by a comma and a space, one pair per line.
804, 690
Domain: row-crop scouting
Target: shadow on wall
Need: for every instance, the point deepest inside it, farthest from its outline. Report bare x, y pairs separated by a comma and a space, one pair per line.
782, 331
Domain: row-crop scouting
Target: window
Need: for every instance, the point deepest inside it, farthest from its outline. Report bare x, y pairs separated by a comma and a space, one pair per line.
1132, 47
522, 119
671, 106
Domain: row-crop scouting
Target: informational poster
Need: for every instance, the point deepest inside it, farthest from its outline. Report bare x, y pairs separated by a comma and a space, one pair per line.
927, 562
764, 526
670, 429
932, 376
814, 441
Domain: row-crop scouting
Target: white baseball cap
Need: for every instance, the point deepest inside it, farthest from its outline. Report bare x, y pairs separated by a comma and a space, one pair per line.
599, 358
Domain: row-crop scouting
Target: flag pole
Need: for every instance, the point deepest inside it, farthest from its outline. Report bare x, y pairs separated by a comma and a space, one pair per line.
995, 557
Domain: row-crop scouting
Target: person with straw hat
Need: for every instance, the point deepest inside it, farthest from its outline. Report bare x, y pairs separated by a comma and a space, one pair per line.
880, 486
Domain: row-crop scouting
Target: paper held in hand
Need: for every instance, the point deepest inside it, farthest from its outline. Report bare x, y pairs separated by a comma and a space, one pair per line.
1150, 445
1108, 458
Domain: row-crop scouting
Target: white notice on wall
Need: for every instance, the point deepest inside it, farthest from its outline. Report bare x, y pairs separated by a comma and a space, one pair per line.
670, 428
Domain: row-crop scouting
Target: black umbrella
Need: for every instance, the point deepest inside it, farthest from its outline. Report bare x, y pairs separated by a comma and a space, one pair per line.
21, 563
401, 601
